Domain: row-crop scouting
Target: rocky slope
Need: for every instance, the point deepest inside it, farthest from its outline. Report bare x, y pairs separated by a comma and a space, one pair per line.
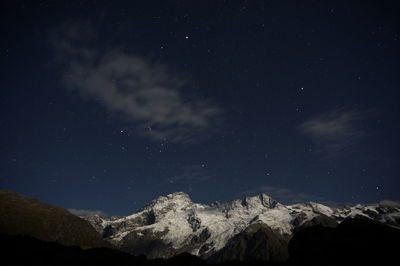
174, 224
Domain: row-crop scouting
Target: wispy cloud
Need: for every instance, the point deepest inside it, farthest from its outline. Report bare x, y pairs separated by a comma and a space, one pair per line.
283, 195
390, 203
335, 131
79, 212
190, 175
144, 92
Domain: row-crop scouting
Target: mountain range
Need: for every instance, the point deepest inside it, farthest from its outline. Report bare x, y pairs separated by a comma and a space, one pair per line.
173, 224
173, 230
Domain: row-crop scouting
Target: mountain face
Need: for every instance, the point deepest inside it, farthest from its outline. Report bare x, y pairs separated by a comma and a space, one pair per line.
24, 216
173, 224
256, 243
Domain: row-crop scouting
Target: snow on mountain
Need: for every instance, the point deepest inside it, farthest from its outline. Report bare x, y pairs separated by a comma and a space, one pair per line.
184, 226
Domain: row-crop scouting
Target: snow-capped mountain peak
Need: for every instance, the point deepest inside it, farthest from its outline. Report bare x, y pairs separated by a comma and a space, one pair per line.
260, 200
172, 201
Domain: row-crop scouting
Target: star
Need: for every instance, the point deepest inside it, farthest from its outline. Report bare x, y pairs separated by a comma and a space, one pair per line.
187, 37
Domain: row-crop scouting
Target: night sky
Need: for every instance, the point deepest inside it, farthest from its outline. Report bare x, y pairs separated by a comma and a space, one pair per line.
106, 105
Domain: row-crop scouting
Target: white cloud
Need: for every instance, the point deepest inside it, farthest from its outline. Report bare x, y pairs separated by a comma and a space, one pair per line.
84, 213
145, 93
390, 203
335, 131
190, 175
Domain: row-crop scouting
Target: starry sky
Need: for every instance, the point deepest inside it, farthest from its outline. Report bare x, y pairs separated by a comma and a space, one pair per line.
106, 105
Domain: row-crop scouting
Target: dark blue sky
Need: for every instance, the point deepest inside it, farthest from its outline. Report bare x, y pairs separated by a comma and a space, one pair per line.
106, 105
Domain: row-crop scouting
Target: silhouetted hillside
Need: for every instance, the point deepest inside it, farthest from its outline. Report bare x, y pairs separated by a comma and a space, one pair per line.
24, 216
26, 250
352, 241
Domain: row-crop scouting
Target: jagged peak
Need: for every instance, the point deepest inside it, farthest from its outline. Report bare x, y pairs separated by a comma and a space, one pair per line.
176, 198
260, 199
179, 195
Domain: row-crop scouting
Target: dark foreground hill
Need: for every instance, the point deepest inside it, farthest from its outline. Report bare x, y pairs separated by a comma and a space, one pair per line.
354, 241
25, 216
26, 250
